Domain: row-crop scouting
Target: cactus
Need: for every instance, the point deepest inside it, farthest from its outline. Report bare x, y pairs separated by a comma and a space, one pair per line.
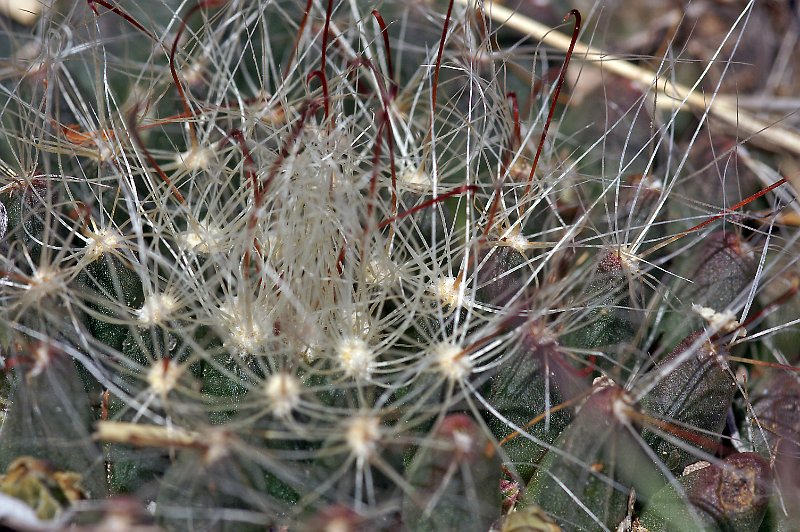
378, 266
731, 495
587, 476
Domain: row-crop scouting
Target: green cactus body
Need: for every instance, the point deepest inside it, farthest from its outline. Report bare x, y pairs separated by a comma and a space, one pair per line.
776, 411
520, 391
133, 470
108, 279
228, 480
774, 429
593, 465
51, 419
610, 320
502, 275
637, 201
720, 270
696, 393
225, 383
726, 268
456, 483
786, 339
323, 259
731, 496
23, 208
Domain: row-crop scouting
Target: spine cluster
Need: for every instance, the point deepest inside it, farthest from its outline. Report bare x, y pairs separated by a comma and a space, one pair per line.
266, 264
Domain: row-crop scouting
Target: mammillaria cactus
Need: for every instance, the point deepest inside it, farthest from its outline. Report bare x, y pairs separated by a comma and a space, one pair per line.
350, 265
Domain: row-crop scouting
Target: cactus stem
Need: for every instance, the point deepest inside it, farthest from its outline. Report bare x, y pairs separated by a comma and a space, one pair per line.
772, 305
688, 436
538, 419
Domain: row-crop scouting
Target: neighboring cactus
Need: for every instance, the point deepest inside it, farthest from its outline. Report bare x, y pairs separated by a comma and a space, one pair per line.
369, 266
450, 482
586, 478
731, 495
774, 429
694, 392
